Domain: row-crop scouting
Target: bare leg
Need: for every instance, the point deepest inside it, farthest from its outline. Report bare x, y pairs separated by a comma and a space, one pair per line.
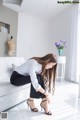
31, 103
45, 105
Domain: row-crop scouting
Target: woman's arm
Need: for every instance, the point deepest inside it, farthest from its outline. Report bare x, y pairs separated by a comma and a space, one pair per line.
34, 80
37, 86
43, 91
35, 83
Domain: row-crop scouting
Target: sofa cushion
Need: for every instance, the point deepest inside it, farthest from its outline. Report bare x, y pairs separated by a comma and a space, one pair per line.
7, 88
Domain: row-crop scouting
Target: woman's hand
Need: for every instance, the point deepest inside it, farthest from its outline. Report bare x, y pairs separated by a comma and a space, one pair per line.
47, 95
54, 64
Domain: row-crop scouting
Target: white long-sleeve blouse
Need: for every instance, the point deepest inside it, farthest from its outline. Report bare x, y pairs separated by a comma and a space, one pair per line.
30, 67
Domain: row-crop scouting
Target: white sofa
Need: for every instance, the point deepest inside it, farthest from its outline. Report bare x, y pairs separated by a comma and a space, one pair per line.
11, 95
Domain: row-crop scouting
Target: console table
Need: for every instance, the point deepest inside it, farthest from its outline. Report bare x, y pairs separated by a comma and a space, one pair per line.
61, 60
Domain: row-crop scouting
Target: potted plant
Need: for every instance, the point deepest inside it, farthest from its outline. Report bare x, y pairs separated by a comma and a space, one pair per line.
60, 46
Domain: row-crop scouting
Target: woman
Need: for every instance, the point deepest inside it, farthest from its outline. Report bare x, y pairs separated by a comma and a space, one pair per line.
41, 72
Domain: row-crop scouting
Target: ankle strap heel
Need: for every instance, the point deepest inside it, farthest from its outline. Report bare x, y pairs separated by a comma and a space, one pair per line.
42, 107
32, 109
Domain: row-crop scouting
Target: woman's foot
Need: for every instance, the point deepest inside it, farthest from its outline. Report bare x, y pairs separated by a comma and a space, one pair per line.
31, 104
45, 105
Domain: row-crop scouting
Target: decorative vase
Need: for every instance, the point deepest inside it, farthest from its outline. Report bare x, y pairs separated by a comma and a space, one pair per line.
60, 51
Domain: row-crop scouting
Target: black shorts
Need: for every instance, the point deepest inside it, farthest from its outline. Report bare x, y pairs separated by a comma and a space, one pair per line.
18, 80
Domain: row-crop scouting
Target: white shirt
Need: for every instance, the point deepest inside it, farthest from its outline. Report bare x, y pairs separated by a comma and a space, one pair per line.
30, 67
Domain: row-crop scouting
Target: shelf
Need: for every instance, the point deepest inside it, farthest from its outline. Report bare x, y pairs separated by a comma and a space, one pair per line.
4, 27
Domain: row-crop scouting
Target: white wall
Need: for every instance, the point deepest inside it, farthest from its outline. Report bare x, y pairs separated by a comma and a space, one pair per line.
37, 36
61, 29
32, 36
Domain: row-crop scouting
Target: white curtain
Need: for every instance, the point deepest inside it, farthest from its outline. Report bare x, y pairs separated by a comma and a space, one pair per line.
78, 46
73, 67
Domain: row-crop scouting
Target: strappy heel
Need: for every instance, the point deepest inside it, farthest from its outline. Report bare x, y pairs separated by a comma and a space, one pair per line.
42, 107
32, 109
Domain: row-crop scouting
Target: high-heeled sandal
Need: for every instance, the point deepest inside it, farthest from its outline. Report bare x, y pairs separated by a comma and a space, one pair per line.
32, 109
48, 113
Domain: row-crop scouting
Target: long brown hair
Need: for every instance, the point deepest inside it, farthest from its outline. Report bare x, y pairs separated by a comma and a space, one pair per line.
48, 75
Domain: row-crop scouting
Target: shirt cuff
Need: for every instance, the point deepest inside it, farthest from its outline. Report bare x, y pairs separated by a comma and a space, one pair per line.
38, 88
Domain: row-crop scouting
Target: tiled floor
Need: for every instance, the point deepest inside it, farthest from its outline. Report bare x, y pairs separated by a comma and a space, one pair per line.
65, 105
